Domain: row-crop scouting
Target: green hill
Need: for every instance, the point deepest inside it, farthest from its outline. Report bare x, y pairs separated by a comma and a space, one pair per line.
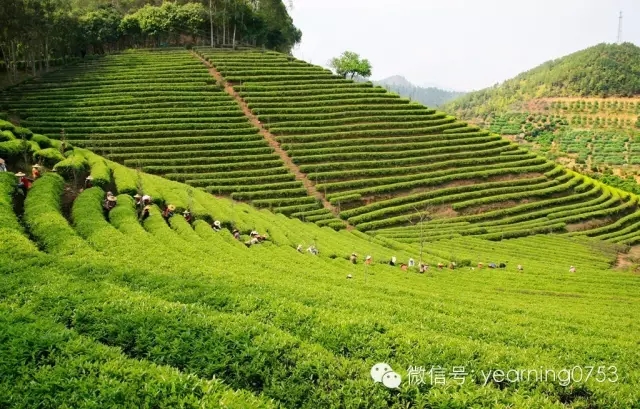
604, 70
110, 311
281, 134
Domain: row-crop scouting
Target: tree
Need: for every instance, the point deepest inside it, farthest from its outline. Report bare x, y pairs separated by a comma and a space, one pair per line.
101, 28
349, 63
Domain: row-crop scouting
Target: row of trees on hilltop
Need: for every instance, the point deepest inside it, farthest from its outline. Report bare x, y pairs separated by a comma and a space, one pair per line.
33, 33
604, 70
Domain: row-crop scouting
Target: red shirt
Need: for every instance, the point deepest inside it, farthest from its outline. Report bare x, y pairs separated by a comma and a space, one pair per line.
26, 182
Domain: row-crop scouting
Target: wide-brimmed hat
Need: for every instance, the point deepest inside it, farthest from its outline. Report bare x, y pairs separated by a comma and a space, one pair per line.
20, 174
217, 223
109, 193
89, 177
253, 233
36, 166
354, 254
146, 197
137, 196
368, 257
147, 207
171, 207
186, 212
112, 198
236, 231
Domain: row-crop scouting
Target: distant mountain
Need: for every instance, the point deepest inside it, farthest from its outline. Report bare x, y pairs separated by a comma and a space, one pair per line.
395, 80
604, 70
429, 96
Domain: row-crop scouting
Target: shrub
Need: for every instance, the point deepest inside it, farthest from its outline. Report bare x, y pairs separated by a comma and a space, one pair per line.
73, 166
50, 156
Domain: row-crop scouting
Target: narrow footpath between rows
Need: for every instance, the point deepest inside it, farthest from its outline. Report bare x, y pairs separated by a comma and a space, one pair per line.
253, 119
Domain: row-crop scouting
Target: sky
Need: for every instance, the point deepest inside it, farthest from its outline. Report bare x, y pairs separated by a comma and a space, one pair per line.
461, 45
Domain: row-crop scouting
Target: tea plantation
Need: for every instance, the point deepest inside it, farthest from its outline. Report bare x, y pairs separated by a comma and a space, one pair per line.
103, 309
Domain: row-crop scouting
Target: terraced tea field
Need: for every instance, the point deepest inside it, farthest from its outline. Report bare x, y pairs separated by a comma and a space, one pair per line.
162, 112
111, 311
608, 126
384, 160
279, 133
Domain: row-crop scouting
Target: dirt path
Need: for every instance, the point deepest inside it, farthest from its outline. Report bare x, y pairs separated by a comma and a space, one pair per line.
270, 138
629, 259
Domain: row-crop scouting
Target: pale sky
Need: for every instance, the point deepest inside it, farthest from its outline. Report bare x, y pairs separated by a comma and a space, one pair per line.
458, 44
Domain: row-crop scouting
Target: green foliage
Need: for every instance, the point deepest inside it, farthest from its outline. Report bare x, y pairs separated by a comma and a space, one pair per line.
6, 136
56, 30
44, 220
73, 166
101, 26
16, 147
125, 179
49, 156
350, 63
8, 220
627, 184
601, 71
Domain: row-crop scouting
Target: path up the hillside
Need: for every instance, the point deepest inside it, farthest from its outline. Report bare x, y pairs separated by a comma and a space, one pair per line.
269, 137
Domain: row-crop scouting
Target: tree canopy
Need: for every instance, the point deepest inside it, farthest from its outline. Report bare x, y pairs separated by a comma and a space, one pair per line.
35, 32
349, 63
604, 70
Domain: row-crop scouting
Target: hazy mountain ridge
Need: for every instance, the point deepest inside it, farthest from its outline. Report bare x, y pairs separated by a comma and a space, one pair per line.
430, 96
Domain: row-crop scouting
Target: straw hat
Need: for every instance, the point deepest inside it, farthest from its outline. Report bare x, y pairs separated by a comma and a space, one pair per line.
89, 177
109, 193
349, 276
148, 207
368, 257
36, 166
20, 174
112, 198
254, 233
186, 212
354, 254
236, 231
137, 196
171, 207
217, 223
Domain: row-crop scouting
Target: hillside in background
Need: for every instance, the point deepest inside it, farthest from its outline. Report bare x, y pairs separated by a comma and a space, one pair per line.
281, 134
429, 96
581, 110
605, 70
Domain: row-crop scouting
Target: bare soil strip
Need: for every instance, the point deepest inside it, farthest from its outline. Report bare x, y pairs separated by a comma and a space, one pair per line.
253, 119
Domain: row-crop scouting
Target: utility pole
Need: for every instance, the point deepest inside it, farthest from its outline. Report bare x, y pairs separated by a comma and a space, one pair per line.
620, 28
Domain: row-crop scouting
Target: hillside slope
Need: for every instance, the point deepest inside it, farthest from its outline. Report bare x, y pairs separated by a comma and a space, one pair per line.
276, 132
113, 311
604, 70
